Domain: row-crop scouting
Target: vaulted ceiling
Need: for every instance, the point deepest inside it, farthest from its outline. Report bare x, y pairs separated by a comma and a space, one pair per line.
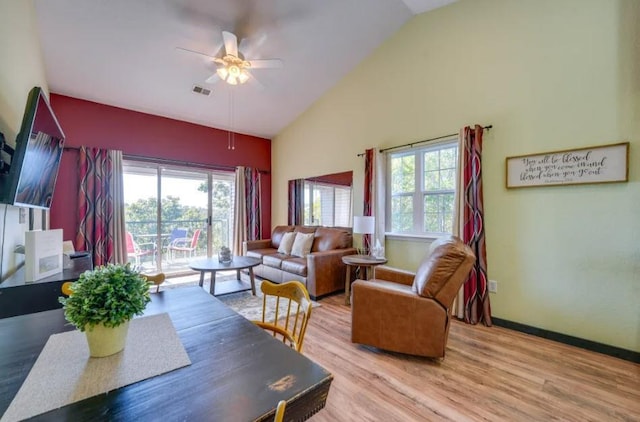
131, 53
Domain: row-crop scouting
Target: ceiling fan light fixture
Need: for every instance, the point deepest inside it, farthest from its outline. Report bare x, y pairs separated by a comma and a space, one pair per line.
222, 72
243, 76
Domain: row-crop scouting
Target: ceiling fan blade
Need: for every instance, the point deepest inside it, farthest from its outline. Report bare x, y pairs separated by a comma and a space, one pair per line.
212, 79
266, 63
255, 82
196, 52
230, 43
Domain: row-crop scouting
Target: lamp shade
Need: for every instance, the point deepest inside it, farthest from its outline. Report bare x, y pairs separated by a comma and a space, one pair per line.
364, 224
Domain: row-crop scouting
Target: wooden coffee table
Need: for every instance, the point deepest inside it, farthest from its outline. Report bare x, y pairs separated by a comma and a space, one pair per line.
212, 265
362, 261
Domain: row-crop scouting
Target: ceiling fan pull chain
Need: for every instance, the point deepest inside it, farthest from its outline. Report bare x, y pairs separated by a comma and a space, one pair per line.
233, 134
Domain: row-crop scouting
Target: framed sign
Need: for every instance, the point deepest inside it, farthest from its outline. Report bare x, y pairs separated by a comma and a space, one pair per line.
601, 164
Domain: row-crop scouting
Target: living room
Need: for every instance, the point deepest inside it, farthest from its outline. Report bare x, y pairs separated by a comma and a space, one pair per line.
548, 75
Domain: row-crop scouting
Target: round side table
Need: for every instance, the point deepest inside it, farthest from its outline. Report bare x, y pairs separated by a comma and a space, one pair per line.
361, 261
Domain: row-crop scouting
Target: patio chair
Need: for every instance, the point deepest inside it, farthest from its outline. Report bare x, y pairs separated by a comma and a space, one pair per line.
177, 235
185, 244
135, 251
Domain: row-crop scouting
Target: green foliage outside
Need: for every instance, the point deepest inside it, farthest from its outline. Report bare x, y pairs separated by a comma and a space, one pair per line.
110, 295
141, 216
438, 190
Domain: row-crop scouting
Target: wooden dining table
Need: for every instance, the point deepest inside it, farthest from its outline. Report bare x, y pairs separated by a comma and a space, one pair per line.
238, 372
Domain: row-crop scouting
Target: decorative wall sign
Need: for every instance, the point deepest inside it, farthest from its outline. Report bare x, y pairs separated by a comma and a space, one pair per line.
601, 164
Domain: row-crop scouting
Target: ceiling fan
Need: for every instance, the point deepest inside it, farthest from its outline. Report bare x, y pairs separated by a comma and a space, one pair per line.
233, 68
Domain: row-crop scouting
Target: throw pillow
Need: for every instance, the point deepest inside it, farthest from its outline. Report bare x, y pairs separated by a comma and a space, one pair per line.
286, 243
302, 244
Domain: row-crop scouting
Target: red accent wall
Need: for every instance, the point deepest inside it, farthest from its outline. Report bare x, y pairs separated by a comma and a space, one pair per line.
90, 124
343, 179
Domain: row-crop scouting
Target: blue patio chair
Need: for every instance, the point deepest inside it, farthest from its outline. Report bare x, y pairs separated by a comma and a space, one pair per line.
177, 236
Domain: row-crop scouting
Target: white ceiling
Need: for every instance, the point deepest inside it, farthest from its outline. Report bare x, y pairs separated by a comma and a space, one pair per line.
123, 53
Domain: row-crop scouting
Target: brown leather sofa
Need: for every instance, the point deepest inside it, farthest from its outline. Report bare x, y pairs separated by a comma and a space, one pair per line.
321, 271
409, 313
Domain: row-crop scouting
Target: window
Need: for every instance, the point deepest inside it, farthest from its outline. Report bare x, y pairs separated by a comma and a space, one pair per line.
421, 189
326, 204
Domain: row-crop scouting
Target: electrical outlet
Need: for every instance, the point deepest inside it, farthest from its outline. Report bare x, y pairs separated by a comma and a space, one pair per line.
22, 216
493, 286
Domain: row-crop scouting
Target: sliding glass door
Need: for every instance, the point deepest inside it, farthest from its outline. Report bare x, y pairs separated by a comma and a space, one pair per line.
193, 217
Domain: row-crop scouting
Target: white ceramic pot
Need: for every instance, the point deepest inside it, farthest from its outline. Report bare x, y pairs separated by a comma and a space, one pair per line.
106, 341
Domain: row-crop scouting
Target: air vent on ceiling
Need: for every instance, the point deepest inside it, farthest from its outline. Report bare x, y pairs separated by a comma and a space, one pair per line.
200, 90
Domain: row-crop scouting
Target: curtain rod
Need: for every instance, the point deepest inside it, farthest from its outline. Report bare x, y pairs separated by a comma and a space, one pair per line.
174, 162
421, 142
183, 163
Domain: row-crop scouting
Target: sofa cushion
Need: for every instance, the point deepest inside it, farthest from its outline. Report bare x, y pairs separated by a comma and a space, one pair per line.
259, 253
449, 253
278, 232
286, 243
295, 266
274, 260
330, 238
302, 244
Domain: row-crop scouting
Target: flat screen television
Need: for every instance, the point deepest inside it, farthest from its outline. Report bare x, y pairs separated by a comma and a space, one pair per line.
34, 165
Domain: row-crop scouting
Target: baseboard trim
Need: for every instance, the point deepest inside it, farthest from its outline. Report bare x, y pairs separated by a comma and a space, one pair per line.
593, 346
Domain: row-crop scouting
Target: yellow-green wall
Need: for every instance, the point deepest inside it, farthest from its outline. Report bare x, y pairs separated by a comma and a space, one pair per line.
549, 75
21, 68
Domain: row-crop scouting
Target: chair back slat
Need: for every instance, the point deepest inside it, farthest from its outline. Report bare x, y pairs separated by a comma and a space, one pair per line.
290, 322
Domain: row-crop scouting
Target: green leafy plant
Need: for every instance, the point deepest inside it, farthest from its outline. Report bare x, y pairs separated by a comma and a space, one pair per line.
110, 295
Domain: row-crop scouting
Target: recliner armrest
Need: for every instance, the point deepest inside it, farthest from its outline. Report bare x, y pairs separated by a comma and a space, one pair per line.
385, 287
248, 245
396, 275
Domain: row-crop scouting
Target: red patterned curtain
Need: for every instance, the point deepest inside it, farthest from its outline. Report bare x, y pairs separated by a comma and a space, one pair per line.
369, 166
476, 297
296, 202
97, 210
254, 204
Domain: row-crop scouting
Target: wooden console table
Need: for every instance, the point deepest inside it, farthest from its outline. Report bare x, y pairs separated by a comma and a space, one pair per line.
19, 297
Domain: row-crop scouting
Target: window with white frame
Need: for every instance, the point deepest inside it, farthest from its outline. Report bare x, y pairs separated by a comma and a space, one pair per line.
421, 189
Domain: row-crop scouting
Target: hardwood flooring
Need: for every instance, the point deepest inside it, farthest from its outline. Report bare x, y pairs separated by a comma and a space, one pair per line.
488, 374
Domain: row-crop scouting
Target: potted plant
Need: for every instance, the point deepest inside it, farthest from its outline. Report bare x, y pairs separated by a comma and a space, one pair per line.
101, 304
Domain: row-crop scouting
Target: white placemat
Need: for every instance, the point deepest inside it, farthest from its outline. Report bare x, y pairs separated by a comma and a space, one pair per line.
64, 373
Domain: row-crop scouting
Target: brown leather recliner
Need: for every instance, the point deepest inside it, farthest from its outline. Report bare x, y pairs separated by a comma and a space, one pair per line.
409, 313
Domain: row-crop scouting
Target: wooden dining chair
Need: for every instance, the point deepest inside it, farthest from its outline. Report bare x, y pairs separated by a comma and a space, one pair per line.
157, 279
66, 288
280, 411
291, 311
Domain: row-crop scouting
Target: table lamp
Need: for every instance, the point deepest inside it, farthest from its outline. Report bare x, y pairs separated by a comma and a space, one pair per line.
364, 225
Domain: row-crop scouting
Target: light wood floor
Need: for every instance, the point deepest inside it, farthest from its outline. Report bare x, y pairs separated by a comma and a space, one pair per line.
489, 374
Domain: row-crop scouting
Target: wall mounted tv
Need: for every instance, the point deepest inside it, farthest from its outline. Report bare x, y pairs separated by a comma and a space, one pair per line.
33, 167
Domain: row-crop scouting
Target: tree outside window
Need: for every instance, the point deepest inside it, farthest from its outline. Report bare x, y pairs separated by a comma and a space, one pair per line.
422, 184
